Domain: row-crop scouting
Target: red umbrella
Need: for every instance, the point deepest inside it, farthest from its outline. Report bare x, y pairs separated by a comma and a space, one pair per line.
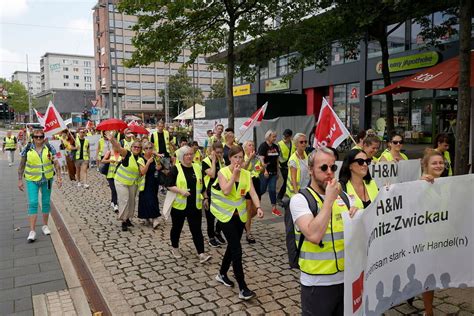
442, 76
111, 125
137, 129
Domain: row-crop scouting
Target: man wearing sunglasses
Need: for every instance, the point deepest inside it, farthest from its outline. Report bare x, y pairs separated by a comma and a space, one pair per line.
321, 256
37, 166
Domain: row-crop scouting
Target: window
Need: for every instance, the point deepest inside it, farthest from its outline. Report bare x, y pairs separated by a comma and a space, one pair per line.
65, 69
65, 61
88, 86
76, 85
75, 62
76, 77
283, 66
66, 84
337, 54
75, 69
87, 79
65, 76
87, 63
263, 73
444, 19
272, 68
396, 39
87, 71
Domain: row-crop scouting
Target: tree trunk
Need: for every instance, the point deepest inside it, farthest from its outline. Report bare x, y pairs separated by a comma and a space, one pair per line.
230, 77
387, 81
461, 163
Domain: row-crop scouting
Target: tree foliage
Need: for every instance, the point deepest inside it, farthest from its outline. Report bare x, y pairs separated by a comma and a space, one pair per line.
17, 95
181, 93
166, 28
218, 89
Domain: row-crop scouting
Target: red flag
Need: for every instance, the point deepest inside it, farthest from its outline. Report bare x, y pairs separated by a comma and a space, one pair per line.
255, 119
39, 116
89, 125
330, 131
53, 122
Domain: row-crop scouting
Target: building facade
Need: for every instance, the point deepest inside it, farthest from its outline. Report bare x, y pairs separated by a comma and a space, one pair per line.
121, 90
34, 78
67, 71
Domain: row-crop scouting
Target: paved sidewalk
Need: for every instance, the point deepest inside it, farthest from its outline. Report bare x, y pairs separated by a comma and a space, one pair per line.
137, 274
25, 269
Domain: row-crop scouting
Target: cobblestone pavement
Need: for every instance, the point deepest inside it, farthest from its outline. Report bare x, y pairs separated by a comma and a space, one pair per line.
60, 303
137, 274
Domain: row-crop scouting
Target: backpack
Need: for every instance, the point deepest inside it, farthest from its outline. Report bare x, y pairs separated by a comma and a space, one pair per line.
292, 249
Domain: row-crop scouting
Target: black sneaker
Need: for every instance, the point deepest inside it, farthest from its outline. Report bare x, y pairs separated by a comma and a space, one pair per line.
246, 294
220, 238
213, 243
129, 223
224, 280
124, 226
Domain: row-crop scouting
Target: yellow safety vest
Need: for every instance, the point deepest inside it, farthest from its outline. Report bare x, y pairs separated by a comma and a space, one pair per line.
255, 166
208, 161
181, 200
357, 147
166, 136
285, 151
388, 156
36, 166
113, 166
289, 188
129, 175
85, 151
223, 206
100, 149
10, 143
371, 189
447, 157
214, 139
127, 144
197, 156
328, 259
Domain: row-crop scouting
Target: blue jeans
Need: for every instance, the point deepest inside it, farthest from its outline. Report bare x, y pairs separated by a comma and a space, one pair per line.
271, 183
33, 188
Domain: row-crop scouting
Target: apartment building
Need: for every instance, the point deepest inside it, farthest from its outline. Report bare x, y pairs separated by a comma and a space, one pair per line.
134, 90
67, 71
34, 78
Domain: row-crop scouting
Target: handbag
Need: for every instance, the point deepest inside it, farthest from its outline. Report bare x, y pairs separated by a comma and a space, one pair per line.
104, 168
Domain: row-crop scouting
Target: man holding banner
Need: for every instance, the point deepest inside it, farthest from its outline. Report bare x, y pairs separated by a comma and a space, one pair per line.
321, 256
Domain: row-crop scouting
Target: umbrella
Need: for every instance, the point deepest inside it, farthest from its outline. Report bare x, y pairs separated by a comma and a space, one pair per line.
137, 129
111, 125
442, 76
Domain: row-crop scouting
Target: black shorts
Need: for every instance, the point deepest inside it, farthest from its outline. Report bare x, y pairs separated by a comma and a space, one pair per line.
256, 186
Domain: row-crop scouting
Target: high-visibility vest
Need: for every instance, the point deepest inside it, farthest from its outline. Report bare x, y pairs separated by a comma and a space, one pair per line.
328, 259
208, 161
85, 149
113, 165
255, 166
181, 200
197, 156
127, 144
389, 157
289, 187
10, 143
214, 138
223, 206
166, 136
447, 158
129, 175
371, 188
285, 151
100, 149
36, 166
357, 147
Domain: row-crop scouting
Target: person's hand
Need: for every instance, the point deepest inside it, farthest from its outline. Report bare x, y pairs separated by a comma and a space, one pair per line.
158, 166
109, 135
266, 174
236, 170
333, 189
185, 193
21, 185
428, 178
205, 204
259, 212
352, 211
252, 154
150, 160
213, 157
59, 182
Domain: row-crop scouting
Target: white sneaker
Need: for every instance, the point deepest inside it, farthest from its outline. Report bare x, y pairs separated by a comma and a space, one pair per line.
112, 204
203, 257
31, 236
155, 223
10, 164
79, 184
116, 209
176, 253
86, 186
46, 230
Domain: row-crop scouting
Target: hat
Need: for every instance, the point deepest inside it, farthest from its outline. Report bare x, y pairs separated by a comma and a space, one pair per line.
287, 132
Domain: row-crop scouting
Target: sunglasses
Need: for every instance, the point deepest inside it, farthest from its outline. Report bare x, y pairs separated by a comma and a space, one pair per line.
303, 141
38, 137
325, 168
396, 142
148, 148
361, 161
137, 147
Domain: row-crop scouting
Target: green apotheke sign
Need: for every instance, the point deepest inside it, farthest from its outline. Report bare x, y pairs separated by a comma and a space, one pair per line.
410, 62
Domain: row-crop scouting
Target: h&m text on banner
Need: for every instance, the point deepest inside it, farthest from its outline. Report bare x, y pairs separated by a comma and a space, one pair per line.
416, 236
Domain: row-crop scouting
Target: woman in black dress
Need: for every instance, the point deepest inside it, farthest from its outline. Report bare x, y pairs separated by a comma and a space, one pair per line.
148, 206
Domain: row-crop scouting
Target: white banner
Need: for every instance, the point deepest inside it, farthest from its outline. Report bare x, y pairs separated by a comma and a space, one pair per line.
200, 128
60, 154
393, 172
415, 237
93, 146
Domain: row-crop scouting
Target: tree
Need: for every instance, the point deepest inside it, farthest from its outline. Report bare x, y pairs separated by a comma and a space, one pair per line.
181, 93
204, 28
17, 95
218, 90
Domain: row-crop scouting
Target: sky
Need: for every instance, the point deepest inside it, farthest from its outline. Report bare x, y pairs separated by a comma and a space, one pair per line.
34, 27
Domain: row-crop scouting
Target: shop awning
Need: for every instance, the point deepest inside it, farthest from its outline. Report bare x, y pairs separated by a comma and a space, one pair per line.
188, 114
442, 76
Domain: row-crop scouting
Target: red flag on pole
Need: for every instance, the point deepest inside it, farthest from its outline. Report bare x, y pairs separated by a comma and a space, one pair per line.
39, 116
330, 131
53, 122
254, 120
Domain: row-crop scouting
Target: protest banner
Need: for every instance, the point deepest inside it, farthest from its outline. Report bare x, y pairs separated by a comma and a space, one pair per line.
93, 146
415, 237
60, 154
390, 172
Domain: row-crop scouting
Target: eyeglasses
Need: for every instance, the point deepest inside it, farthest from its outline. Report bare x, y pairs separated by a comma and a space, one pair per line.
148, 148
361, 161
325, 168
396, 142
303, 141
137, 147
38, 136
